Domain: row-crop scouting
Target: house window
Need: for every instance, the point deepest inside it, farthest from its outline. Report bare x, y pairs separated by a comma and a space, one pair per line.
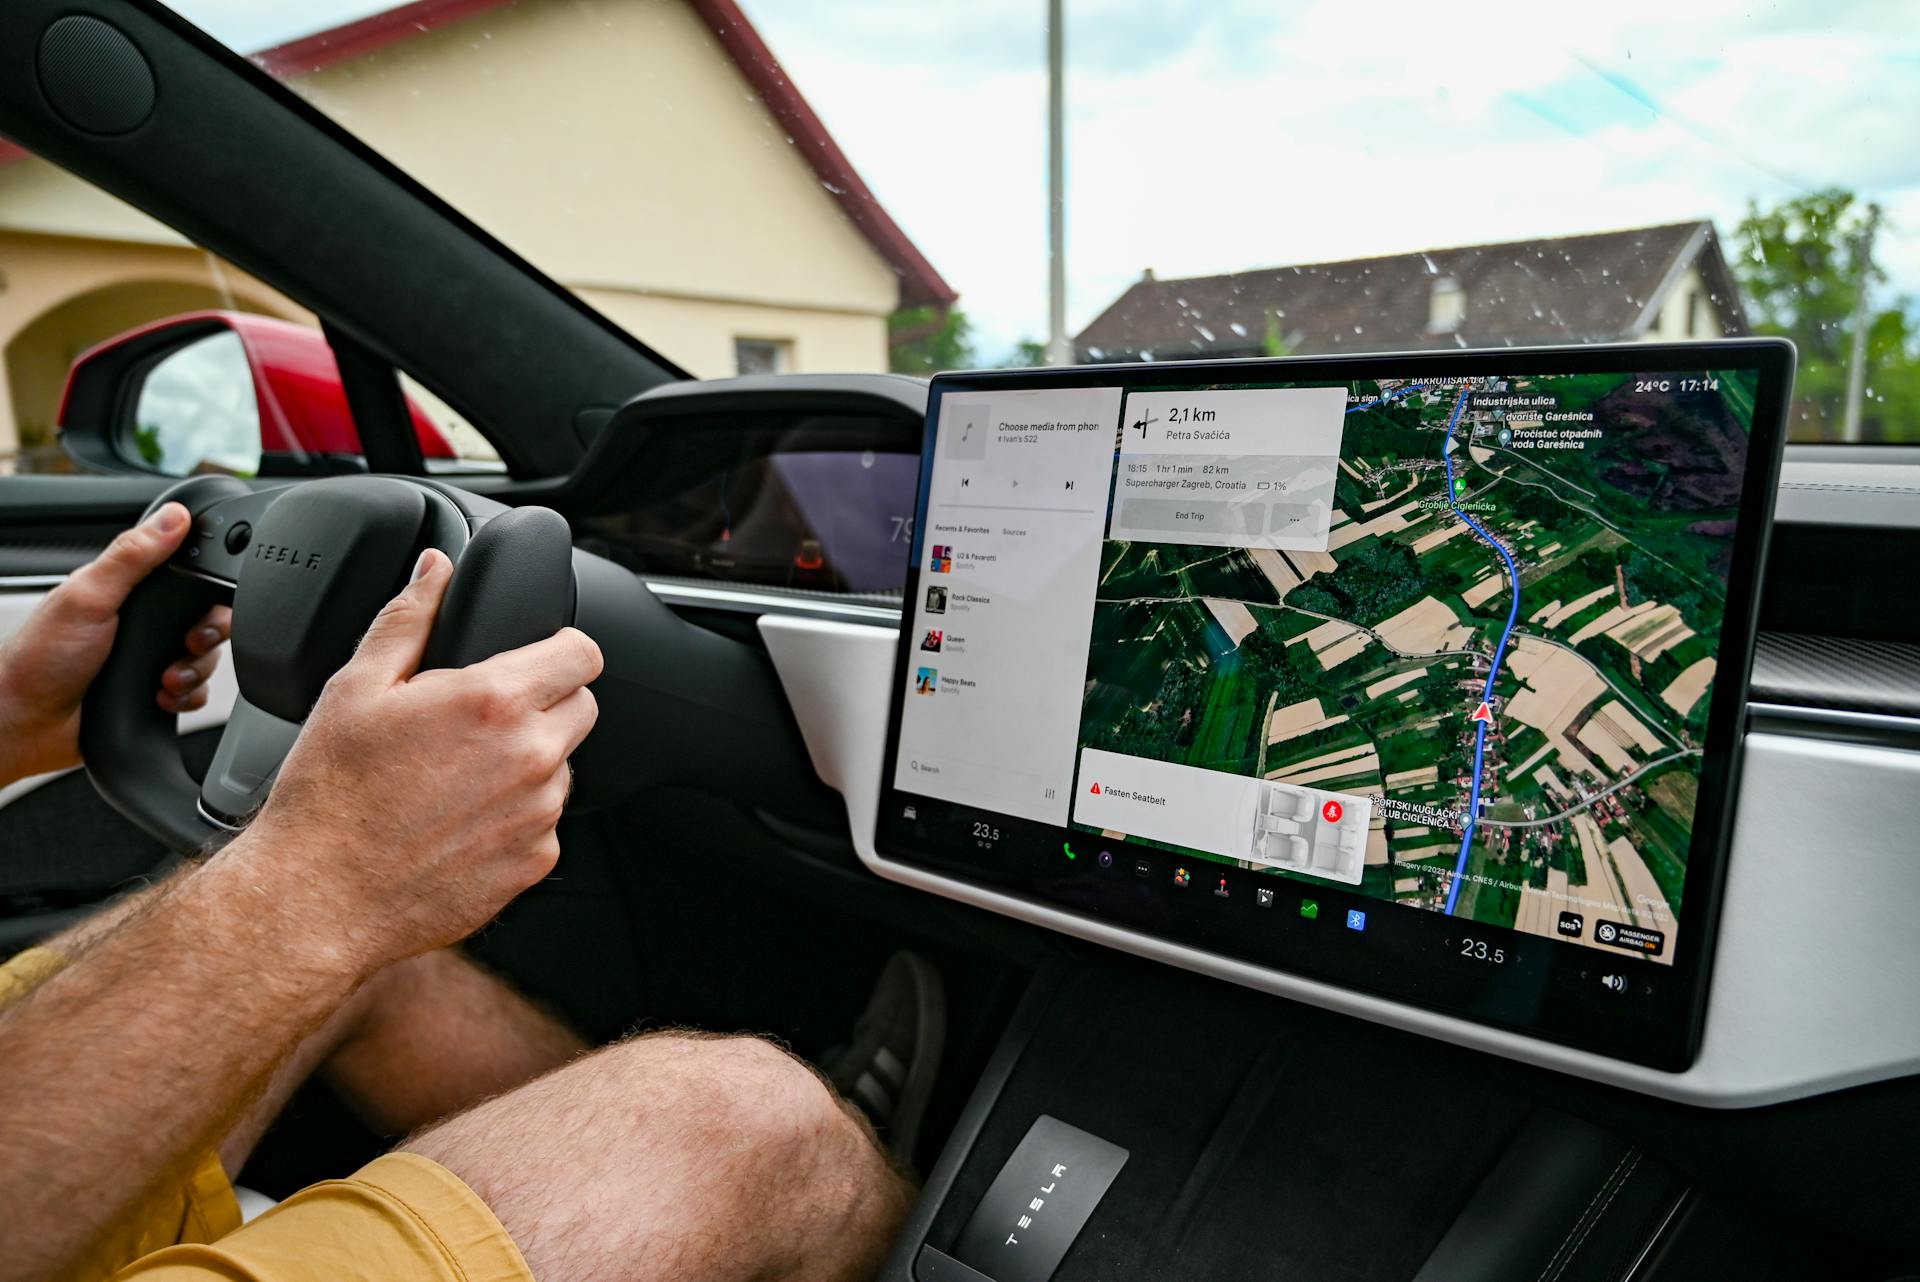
762, 355
1693, 312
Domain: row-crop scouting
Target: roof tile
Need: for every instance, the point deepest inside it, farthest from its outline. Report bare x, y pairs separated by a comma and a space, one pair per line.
1568, 289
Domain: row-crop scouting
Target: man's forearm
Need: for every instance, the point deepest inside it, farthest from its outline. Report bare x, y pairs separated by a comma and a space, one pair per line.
108, 917
142, 1052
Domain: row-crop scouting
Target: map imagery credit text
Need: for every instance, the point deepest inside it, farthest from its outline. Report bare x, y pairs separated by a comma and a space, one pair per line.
1476, 678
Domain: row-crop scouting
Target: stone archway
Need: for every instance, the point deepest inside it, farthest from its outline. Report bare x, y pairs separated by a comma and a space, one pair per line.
65, 294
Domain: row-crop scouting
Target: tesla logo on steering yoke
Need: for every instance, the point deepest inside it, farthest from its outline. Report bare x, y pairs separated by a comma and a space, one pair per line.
286, 555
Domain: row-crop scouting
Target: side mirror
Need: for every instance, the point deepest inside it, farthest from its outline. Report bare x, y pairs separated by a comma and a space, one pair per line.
217, 393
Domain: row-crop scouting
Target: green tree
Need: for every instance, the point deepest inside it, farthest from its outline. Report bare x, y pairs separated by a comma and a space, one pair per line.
1273, 342
1027, 354
1799, 265
147, 441
926, 340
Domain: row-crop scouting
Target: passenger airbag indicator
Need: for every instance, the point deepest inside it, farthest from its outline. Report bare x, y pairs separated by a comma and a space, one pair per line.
1635, 939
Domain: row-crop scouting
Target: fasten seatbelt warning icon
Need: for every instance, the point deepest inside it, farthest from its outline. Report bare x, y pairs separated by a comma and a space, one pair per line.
1095, 790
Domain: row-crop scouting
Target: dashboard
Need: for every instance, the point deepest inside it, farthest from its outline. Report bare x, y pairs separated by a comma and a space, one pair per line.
791, 483
1422, 676
817, 519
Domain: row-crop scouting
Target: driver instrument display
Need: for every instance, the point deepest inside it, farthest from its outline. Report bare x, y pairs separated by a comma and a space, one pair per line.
1418, 674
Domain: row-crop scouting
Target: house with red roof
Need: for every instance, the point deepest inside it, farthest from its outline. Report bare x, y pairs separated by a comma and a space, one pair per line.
650, 155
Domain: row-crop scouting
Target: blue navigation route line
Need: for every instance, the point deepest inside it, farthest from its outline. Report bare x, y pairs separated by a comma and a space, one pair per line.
1408, 390
1493, 669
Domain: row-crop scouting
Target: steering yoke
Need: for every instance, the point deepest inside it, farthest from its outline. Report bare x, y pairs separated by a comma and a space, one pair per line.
306, 566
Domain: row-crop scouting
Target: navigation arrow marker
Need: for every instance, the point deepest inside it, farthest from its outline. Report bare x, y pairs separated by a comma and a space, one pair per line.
1451, 445
1482, 713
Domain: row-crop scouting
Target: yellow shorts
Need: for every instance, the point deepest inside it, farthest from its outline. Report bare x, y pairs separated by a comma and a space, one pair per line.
400, 1218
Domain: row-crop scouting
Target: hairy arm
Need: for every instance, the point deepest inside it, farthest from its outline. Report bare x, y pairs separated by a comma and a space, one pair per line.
145, 1050
412, 808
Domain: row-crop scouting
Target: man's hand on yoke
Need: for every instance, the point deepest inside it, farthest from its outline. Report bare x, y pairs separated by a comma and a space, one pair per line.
416, 805
46, 666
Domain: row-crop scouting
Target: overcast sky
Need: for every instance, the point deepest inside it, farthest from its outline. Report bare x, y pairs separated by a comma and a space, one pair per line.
1217, 135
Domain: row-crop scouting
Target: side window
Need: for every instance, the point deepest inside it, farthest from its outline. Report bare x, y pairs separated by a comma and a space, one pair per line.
149, 353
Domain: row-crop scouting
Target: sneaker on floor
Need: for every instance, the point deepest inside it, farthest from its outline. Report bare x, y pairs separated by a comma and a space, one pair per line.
887, 1067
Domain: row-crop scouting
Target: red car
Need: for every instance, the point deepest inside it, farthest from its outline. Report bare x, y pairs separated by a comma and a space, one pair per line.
288, 372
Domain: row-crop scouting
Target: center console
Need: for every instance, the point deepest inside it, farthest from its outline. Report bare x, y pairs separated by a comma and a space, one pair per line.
1234, 1136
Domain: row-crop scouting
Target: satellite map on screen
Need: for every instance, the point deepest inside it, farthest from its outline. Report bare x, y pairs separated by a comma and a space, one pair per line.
1477, 680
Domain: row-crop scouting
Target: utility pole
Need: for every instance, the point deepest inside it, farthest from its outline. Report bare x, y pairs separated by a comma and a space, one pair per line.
1857, 362
1059, 350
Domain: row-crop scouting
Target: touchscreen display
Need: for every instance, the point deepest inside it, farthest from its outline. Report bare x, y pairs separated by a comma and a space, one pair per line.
1340, 652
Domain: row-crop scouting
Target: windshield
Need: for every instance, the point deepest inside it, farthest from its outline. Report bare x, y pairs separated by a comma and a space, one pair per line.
837, 185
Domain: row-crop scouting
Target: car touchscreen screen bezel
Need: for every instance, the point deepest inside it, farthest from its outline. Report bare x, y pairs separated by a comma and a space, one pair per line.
1545, 987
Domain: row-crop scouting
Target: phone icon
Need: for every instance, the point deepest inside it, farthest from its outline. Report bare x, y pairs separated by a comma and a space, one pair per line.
1067, 846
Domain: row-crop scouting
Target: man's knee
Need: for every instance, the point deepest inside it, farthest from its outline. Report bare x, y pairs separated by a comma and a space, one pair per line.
671, 1140
747, 1090
732, 1100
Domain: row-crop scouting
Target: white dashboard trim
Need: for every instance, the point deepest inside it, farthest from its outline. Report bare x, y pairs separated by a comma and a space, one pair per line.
678, 592
1813, 987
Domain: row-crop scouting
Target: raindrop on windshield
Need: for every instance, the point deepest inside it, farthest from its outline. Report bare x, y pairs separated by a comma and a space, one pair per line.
1204, 332
1238, 329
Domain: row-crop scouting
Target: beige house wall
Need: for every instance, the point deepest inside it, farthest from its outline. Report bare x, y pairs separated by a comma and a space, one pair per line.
37, 196
612, 143
697, 334
1671, 322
